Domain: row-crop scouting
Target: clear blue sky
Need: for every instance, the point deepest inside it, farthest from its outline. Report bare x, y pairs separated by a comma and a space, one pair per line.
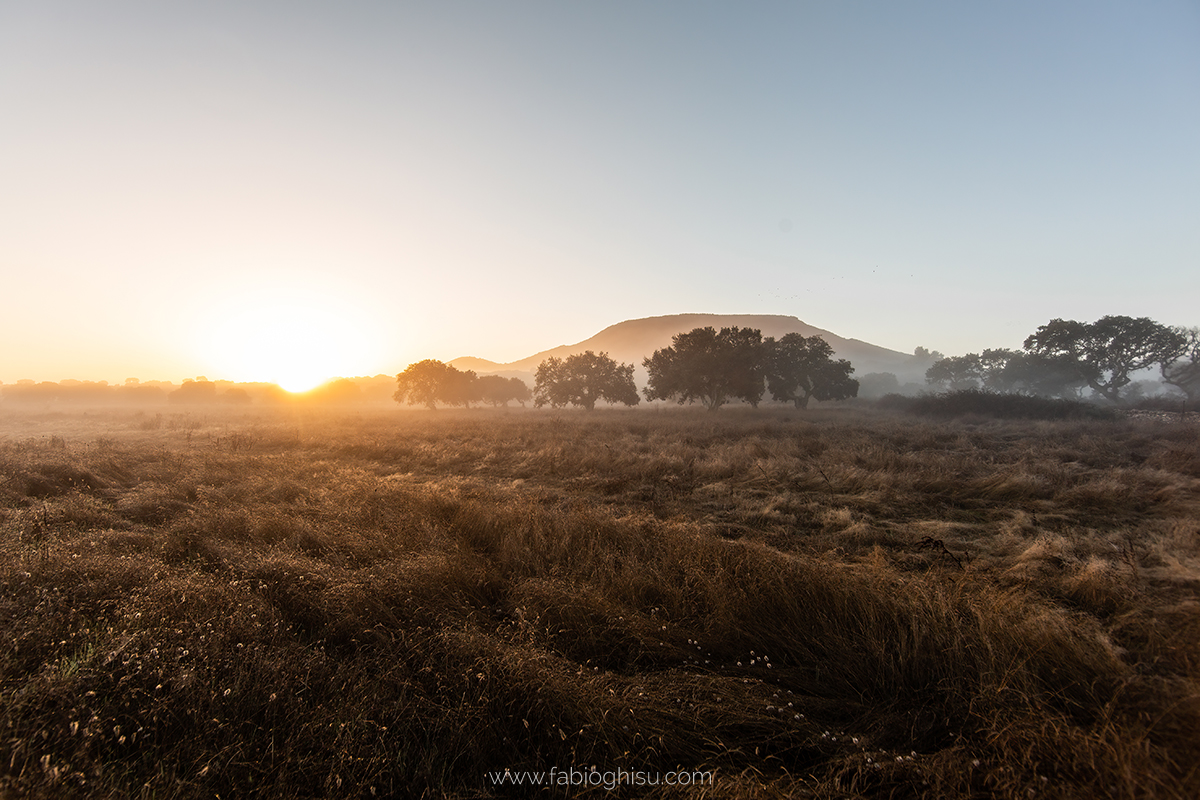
192, 188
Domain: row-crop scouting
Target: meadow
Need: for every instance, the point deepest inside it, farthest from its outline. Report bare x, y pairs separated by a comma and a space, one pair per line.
829, 603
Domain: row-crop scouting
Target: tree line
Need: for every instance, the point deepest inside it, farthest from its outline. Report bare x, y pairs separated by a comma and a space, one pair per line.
704, 364
1065, 357
429, 382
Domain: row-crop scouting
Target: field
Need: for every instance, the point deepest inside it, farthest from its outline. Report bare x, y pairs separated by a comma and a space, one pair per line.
828, 603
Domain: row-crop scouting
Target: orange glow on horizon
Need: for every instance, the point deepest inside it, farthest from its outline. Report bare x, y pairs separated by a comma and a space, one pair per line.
296, 339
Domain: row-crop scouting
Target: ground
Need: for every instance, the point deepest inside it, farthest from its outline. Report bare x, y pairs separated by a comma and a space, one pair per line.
779, 603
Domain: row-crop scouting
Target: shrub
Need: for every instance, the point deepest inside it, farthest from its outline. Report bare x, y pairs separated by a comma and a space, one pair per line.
999, 405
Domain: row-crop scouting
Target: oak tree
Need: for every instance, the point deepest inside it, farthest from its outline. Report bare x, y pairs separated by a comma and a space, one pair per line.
1109, 350
430, 382
582, 379
799, 368
1183, 370
498, 390
710, 366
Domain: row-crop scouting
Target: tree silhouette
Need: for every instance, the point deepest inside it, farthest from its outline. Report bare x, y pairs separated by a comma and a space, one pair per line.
498, 390
1108, 350
956, 372
519, 391
1040, 374
800, 368
200, 390
459, 388
1183, 371
429, 382
582, 379
710, 366
1003, 370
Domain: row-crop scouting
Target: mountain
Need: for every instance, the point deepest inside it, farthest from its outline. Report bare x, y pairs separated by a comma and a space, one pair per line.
633, 340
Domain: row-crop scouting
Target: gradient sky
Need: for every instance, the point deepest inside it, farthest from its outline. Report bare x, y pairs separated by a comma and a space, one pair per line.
212, 187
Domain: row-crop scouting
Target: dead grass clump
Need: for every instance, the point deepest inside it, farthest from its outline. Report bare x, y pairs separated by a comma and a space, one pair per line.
1179, 450
152, 503
1167, 638
1100, 586
49, 479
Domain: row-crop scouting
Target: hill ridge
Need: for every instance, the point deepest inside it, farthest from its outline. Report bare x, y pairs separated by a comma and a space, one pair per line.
630, 341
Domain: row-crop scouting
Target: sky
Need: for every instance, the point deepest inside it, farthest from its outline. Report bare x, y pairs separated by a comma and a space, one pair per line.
284, 191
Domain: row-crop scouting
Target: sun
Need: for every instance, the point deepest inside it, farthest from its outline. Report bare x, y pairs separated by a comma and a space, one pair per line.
295, 339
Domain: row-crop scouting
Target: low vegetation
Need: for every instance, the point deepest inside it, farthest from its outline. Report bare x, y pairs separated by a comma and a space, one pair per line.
826, 604
998, 405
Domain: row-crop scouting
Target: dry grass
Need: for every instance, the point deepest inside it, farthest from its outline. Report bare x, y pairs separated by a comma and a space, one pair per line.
820, 604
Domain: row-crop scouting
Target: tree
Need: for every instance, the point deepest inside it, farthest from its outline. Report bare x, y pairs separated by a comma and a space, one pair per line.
1183, 369
582, 379
235, 395
201, 390
799, 368
956, 372
498, 390
1036, 374
710, 366
420, 383
925, 355
519, 391
429, 382
1107, 350
1003, 370
993, 368
459, 388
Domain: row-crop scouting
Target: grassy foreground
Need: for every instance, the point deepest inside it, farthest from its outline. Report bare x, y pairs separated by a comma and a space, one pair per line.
824, 604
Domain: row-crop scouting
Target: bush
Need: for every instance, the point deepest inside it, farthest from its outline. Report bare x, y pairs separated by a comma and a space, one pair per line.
895, 402
994, 404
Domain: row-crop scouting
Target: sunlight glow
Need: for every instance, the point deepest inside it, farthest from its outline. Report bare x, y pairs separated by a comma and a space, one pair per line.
296, 339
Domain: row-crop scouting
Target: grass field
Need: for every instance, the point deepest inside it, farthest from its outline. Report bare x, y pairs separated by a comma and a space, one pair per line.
827, 603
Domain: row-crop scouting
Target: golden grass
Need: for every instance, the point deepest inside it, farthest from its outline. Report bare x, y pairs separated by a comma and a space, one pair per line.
820, 604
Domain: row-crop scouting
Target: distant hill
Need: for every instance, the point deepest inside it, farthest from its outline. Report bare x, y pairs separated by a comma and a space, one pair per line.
633, 340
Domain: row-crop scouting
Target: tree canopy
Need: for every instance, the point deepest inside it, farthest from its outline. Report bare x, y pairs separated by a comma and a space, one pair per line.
498, 390
799, 368
430, 382
956, 372
1183, 371
710, 366
582, 379
1109, 350
1003, 370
